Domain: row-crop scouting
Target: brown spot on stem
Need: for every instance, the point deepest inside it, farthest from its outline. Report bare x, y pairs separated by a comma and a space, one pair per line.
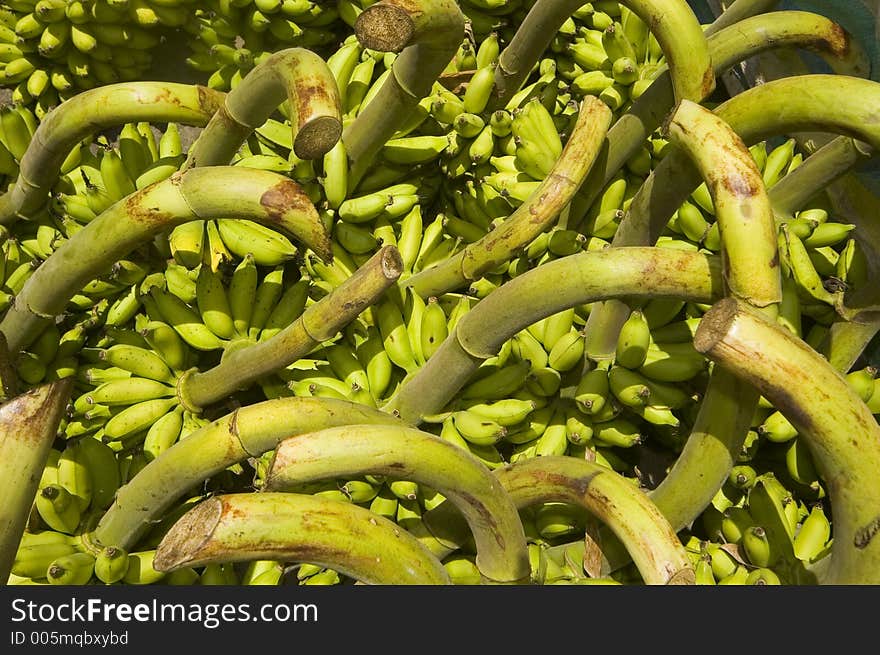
864, 535
741, 184
210, 100
836, 41
316, 106
284, 198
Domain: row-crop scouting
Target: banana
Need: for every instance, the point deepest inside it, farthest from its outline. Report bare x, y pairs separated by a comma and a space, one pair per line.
496, 382
672, 362
593, 390
376, 362
74, 476
757, 547
169, 348
813, 535
527, 348
140, 569
136, 418
553, 441
395, 337
187, 242
139, 361
163, 434
111, 564
213, 302
268, 292
735, 522
777, 428
567, 351
777, 162
803, 270
479, 89
100, 461
434, 328
288, 308
128, 391
185, 320
58, 508
268, 247
619, 432
117, 180
633, 341
241, 291
72, 569
179, 282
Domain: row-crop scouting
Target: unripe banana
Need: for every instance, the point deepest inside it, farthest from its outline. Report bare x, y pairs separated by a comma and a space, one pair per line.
757, 547
478, 429
592, 391
111, 564
137, 417
633, 341
169, 349
812, 536
72, 569
163, 434
268, 247
74, 476
58, 508
672, 362
395, 338
495, 383
185, 320
139, 361
619, 432
479, 89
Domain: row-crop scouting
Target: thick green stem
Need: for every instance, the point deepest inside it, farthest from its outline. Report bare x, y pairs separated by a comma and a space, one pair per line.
297, 75
575, 280
410, 454
841, 433
427, 33
624, 509
736, 43
90, 112
247, 432
532, 217
672, 23
298, 528
318, 323
742, 207
28, 425
199, 193
737, 11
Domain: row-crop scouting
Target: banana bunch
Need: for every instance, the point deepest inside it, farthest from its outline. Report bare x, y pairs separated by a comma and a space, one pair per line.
230, 37
53, 49
17, 126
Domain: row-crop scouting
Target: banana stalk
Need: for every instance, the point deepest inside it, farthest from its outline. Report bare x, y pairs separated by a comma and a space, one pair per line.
742, 207
837, 103
320, 322
28, 425
247, 432
90, 112
292, 527
827, 164
410, 454
532, 217
575, 279
734, 44
737, 11
672, 22
297, 75
842, 435
427, 34
200, 193
9, 382
651, 541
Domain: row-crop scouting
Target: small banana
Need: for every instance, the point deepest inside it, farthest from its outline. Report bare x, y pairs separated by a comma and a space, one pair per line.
633, 341
72, 569
58, 508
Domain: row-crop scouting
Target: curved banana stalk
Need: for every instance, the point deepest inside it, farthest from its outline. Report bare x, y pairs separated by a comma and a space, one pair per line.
532, 217
653, 545
292, 527
28, 425
575, 280
672, 22
827, 164
199, 193
742, 207
737, 11
427, 33
727, 47
819, 102
297, 75
411, 454
247, 432
842, 434
92, 111
318, 323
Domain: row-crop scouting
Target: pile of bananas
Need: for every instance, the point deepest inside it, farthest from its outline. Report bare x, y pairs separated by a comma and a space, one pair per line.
505, 292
